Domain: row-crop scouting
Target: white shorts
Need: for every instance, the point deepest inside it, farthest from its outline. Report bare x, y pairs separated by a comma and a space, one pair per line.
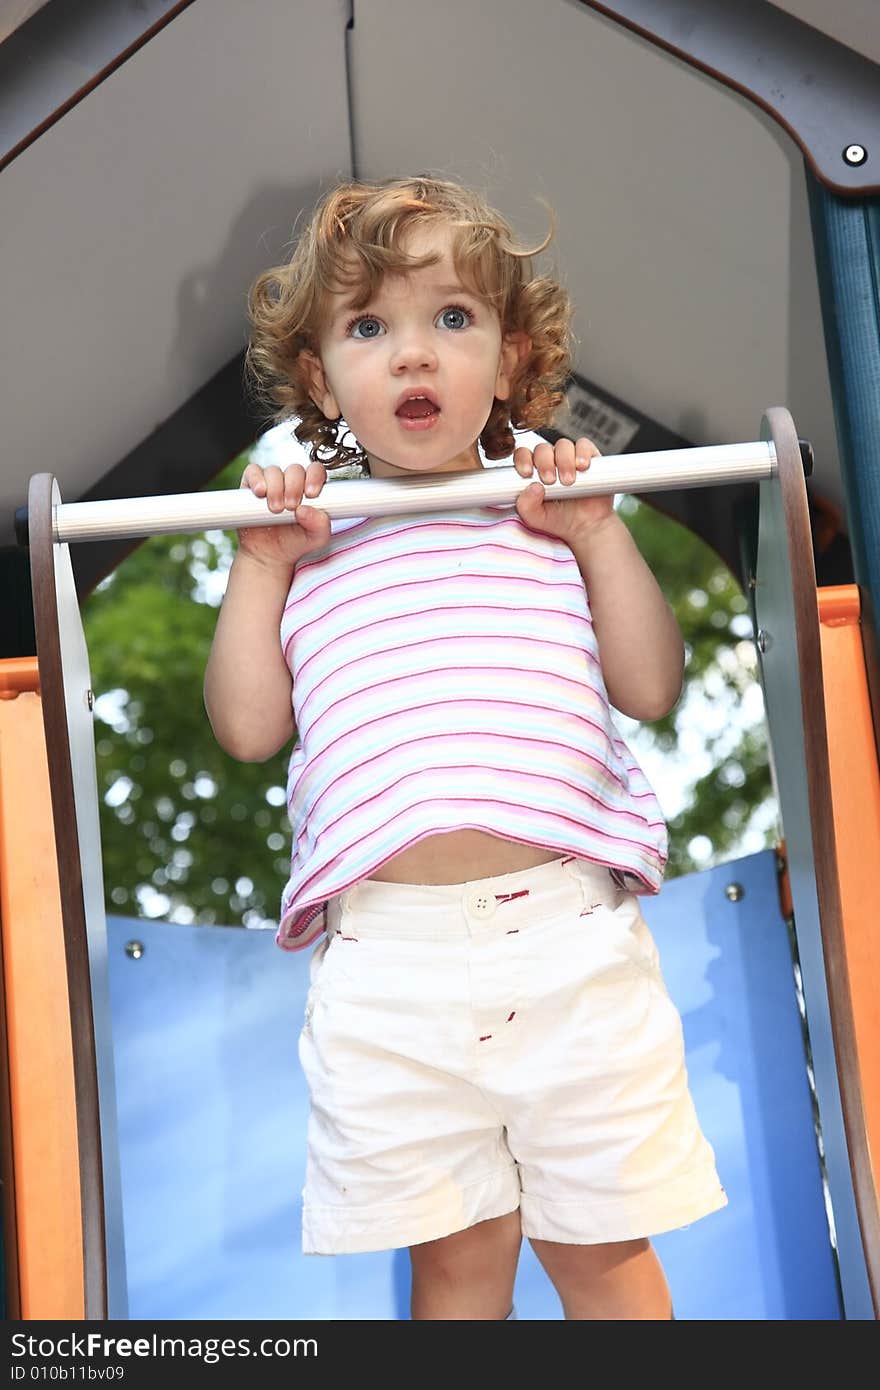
506, 1043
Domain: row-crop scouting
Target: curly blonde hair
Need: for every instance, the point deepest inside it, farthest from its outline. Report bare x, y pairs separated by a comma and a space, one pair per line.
355, 237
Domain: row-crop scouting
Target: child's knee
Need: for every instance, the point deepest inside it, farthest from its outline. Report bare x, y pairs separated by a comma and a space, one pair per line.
467, 1275
474, 1253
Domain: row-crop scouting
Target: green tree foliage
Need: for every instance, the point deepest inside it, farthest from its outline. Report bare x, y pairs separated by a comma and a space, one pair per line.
716, 731
189, 834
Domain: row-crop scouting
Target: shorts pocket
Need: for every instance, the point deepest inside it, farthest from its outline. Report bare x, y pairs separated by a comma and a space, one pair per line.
628, 935
636, 934
319, 969
337, 966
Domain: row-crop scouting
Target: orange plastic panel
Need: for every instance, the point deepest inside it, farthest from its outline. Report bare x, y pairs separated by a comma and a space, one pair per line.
18, 673
855, 792
45, 1196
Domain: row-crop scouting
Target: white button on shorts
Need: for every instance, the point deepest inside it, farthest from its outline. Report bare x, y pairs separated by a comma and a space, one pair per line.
481, 904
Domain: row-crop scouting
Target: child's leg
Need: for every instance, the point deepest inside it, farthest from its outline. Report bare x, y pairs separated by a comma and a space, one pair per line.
607, 1282
468, 1275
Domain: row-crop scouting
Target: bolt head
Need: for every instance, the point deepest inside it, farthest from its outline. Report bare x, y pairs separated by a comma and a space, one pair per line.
855, 155
734, 892
135, 949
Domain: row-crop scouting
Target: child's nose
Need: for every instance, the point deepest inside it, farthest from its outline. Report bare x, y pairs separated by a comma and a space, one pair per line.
413, 353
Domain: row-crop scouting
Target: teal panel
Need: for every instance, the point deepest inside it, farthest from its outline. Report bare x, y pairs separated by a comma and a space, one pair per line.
846, 237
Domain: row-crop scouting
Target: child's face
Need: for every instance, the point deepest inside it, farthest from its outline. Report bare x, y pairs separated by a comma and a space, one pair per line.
415, 372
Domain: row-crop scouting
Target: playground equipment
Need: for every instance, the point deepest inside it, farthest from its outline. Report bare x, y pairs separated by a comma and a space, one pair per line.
819, 759
709, 252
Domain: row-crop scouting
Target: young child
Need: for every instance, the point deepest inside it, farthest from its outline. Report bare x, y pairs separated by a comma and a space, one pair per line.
488, 1042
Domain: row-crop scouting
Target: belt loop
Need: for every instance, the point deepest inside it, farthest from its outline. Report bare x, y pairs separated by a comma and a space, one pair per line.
571, 868
335, 911
615, 893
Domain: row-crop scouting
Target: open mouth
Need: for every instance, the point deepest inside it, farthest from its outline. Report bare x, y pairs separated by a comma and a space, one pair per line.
417, 412
417, 408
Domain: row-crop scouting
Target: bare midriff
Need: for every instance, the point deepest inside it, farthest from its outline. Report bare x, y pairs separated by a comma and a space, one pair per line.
460, 856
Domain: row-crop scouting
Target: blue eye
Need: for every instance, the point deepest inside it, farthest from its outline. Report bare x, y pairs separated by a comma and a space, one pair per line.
454, 317
366, 327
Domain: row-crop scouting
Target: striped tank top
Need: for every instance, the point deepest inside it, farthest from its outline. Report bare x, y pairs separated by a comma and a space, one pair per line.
446, 676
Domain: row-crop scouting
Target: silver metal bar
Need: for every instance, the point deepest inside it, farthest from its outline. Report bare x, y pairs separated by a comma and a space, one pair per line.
660, 471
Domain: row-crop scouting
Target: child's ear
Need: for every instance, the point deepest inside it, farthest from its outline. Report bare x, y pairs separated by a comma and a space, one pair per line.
319, 387
515, 349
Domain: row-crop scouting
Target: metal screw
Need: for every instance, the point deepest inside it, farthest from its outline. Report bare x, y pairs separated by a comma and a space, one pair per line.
734, 891
90, 699
753, 583
135, 949
763, 640
855, 154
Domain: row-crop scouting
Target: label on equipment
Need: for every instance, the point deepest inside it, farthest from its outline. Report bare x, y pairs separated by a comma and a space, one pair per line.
583, 413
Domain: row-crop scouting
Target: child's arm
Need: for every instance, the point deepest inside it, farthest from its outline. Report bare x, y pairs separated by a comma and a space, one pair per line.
247, 681
640, 644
